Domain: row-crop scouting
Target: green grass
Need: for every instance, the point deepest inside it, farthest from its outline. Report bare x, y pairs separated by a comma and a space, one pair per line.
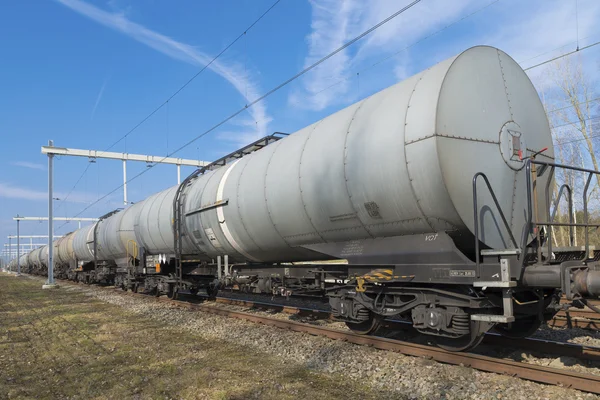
60, 344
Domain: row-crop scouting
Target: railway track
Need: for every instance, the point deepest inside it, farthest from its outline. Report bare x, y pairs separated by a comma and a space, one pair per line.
537, 373
585, 319
553, 376
534, 345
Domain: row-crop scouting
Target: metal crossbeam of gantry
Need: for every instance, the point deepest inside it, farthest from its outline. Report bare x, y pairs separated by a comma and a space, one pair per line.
40, 219
51, 150
24, 244
32, 236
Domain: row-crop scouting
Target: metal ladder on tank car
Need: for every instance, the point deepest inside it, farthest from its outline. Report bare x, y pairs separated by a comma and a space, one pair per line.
505, 283
95, 239
178, 201
533, 225
132, 253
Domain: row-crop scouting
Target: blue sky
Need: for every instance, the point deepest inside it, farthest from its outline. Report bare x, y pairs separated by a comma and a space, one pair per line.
83, 73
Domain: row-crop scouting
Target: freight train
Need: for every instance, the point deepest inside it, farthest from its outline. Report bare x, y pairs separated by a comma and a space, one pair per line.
437, 193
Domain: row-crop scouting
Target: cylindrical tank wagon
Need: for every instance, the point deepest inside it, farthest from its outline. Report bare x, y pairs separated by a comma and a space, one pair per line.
396, 185
397, 163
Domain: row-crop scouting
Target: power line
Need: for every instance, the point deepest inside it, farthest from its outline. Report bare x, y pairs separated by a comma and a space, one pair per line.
573, 105
73, 188
193, 77
407, 47
166, 102
554, 49
264, 96
577, 140
581, 139
563, 55
574, 122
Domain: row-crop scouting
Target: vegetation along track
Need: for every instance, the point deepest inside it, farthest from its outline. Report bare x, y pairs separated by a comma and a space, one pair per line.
534, 345
553, 376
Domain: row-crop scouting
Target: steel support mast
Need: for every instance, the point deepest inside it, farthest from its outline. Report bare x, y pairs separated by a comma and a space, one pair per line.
18, 250
50, 283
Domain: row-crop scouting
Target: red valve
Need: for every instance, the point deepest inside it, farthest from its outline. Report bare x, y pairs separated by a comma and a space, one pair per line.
539, 152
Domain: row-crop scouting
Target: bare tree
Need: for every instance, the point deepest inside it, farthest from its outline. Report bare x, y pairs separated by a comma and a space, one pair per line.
573, 130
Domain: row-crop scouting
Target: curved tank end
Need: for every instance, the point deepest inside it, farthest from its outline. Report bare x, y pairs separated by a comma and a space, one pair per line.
489, 119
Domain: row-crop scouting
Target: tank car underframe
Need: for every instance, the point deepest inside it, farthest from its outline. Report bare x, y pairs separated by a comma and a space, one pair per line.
440, 290
458, 303
149, 277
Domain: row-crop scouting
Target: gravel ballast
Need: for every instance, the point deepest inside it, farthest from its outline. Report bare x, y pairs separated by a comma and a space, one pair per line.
410, 377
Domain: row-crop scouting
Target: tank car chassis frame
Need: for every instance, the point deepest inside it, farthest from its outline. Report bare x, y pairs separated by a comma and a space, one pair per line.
457, 299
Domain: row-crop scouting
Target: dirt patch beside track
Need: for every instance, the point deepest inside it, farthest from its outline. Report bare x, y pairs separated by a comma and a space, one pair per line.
62, 344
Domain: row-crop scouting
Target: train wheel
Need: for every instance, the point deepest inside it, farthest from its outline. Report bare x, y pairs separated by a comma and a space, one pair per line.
173, 292
212, 291
465, 342
366, 327
520, 328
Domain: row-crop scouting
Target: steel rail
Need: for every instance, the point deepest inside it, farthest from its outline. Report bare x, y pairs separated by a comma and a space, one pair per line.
553, 376
536, 373
566, 322
585, 319
531, 344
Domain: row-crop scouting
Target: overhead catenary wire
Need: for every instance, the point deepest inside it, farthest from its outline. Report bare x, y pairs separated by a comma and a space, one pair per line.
576, 140
166, 102
560, 143
74, 186
563, 55
573, 105
264, 96
448, 26
204, 68
315, 65
576, 122
577, 23
389, 57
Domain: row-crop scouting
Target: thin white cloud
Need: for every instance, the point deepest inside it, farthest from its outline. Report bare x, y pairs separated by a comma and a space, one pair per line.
30, 165
23, 193
550, 30
99, 97
522, 29
233, 73
15, 192
334, 23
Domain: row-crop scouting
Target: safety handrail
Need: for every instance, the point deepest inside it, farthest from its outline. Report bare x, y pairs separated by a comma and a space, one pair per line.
557, 203
531, 224
476, 215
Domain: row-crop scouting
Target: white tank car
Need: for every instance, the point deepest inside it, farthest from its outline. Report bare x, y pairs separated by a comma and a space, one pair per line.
400, 162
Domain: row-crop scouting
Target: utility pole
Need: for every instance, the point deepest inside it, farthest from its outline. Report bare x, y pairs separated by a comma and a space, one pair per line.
50, 283
18, 249
125, 202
